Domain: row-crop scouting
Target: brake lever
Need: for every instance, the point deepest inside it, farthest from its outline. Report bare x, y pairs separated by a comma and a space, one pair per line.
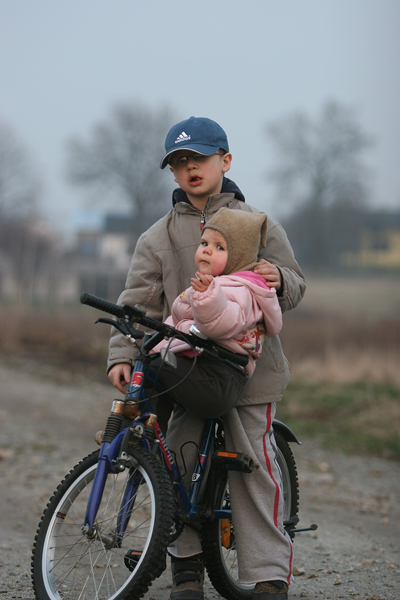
124, 327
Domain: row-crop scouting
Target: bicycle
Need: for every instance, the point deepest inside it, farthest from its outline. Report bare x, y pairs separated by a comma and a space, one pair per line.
105, 531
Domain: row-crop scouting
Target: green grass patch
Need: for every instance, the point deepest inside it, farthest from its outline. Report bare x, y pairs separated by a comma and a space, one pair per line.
358, 418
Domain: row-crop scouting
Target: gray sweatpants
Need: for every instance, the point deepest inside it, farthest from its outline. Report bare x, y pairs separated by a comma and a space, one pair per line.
265, 550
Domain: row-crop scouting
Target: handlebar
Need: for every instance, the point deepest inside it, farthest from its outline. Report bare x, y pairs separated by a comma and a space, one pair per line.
137, 314
104, 305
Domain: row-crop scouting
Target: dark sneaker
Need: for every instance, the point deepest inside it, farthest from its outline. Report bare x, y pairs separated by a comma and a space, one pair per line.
270, 590
188, 578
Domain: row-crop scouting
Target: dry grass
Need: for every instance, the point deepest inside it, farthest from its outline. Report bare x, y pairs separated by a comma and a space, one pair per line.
337, 347
66, 338
343, 343
345, 387
344, 331
350, 366
374, 297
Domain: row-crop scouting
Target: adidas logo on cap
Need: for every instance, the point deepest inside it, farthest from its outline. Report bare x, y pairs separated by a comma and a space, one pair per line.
183, 137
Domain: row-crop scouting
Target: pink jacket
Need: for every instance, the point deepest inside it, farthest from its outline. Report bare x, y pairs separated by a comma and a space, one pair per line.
236, 311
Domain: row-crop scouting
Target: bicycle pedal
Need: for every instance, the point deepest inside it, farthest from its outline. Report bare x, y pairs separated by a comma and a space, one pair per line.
234, 461
132, 558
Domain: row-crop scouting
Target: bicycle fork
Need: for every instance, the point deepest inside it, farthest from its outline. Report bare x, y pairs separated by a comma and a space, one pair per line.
113, 460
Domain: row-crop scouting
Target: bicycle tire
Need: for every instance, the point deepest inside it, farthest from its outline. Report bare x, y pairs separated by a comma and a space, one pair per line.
67, 564
290, 482
220, 555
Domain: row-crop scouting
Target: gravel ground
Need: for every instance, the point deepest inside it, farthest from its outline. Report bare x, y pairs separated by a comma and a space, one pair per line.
48, 420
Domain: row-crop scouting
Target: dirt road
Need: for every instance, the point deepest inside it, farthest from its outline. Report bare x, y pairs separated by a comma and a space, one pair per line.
48, 421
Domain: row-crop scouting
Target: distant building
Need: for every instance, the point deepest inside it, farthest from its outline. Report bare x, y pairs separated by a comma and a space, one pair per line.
102, 258
30, 255
380, 243
34, 267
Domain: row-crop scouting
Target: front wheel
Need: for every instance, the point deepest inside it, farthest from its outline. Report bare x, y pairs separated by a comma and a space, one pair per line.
70, 564
218, 537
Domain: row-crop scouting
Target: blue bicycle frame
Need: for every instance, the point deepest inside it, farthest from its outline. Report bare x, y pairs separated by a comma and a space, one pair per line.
110, 452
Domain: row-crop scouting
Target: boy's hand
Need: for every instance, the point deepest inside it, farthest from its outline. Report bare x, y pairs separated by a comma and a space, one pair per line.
200, 283
270, 272
120, 375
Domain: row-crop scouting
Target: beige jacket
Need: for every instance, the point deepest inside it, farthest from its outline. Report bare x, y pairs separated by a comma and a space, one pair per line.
163, 264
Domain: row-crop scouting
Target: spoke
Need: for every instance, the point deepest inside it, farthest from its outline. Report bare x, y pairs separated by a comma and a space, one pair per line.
62, 577
93, 577
82, 566
72, 556
66, 554
83, 493
106, 572
74, 583
114, 495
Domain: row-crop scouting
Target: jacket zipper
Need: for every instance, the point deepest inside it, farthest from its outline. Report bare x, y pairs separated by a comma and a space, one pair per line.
203, 219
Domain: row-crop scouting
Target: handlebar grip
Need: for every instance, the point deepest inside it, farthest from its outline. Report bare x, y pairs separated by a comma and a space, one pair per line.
104, 305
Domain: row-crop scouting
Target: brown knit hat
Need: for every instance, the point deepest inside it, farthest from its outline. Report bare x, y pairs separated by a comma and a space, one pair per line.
244, 233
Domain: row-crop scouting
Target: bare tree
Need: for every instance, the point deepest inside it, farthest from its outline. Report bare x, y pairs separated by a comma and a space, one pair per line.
19, 184
30, 249
320, 172
121, 161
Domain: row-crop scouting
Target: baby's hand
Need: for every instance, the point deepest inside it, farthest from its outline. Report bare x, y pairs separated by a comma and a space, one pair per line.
200, 283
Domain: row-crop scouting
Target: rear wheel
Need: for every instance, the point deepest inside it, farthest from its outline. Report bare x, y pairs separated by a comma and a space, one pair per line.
290, 481
218, 537
69, 564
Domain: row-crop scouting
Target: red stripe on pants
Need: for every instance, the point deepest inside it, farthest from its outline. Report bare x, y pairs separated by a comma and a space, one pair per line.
290, 563
268, 463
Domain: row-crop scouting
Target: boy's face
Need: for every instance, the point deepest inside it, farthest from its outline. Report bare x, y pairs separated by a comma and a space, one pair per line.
199, 176
212, 254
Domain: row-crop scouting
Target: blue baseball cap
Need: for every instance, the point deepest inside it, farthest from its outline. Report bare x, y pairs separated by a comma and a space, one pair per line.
199, 134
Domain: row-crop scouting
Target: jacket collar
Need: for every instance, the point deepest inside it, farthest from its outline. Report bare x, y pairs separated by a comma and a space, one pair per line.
228, 187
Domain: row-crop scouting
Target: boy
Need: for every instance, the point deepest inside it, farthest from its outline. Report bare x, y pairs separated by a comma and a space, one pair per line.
197, 152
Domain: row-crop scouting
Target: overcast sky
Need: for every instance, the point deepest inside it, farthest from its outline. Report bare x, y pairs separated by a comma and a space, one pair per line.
64, 65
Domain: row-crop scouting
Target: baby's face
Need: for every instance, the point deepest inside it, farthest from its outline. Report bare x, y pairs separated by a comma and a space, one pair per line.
212, 254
